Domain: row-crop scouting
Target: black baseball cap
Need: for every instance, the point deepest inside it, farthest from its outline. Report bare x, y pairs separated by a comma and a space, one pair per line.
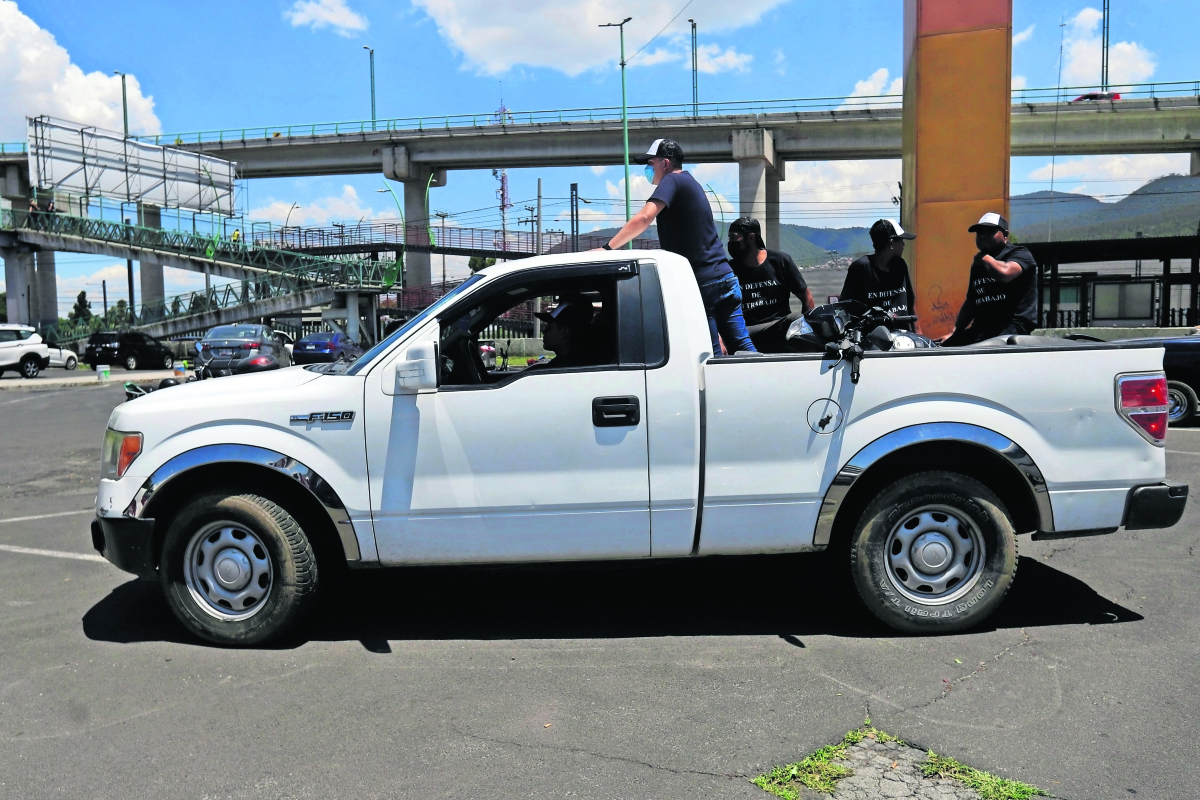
745, 225
661, 148
990, 220
885, 230
574, 311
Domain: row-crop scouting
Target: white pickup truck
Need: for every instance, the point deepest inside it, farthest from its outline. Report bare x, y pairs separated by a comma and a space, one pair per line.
243, 494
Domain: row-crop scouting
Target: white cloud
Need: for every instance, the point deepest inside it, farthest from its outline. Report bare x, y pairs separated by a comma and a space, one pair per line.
598, 170
1018, 82
839, 194
346, 207
649, 58
874, 86
1022, 37
175, 282
1107, 177
1128, 62
326, 13
39, 78
564, 35
711, 60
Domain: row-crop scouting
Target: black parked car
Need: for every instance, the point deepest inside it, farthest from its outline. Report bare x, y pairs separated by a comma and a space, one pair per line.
1181, 362
316, 348
129, 349
223, 347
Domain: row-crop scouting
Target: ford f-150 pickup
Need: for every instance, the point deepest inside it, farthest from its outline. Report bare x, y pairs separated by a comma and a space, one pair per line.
242, 495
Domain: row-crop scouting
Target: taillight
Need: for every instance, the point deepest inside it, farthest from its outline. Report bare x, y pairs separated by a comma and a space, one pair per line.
205, 346
260, 361
247, 345
1142, 401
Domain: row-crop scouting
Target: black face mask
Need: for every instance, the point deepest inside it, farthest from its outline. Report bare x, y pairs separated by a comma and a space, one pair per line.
992, 247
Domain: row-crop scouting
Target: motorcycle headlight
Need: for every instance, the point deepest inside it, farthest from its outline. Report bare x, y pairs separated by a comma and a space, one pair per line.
119, 451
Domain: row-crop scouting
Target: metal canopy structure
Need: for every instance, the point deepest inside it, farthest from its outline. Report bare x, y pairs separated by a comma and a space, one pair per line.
84, 160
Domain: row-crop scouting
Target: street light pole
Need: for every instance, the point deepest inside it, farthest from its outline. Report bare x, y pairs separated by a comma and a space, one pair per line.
397, 270
624, 114
289, 214
695, 82
442, 216
124, 102
372, 52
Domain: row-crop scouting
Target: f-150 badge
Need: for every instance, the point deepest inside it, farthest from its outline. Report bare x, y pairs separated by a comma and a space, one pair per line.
324, 416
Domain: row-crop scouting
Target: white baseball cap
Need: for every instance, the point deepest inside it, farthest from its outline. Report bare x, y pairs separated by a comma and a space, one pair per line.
990, 220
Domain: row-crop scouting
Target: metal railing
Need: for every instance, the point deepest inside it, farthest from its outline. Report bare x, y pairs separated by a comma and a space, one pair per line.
418, 235
13, 147
643, 112
346, 272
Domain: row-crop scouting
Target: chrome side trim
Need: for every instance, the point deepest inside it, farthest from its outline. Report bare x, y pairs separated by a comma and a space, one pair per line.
247, 454
930, 432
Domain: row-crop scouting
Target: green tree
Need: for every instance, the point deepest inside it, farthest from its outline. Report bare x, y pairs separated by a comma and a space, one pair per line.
3, 306
82, 311
477, 263
120, 312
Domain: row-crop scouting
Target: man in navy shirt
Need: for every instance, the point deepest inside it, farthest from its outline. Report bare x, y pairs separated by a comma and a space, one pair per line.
686, 226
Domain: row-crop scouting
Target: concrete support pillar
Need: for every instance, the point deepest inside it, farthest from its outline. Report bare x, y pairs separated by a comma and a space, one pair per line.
352, 314
397, 165
15, 186
759, 173
957, 133
153, 285
1195, 163
18, 281
47, 288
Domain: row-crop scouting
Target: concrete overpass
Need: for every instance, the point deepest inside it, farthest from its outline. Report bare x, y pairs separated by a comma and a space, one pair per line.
761, 143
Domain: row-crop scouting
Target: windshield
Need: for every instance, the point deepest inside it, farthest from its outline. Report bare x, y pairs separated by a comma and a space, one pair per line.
366, 358
233, 332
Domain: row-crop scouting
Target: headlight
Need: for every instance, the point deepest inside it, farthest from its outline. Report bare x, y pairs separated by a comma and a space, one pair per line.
119, 451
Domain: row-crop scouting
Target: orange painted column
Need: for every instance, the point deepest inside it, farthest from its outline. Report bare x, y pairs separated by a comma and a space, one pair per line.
957, 123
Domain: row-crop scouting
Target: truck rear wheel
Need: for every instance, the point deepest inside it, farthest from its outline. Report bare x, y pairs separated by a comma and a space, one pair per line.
1181, 403
237, 568
934, 552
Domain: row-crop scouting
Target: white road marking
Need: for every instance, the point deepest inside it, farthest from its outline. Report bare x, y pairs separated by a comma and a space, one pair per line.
1184, 452
48, 516
35, 551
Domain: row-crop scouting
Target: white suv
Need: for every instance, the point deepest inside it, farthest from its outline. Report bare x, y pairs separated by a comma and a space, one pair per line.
22, 350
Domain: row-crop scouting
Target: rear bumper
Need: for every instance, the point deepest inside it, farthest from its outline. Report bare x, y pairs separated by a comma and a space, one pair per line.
1157, 506
127, 543
304, 357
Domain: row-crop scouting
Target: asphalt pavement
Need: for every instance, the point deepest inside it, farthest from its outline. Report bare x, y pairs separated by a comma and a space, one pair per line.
666, 680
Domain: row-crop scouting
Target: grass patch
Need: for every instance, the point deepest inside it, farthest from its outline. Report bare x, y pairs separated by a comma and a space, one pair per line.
820, 771
989, 786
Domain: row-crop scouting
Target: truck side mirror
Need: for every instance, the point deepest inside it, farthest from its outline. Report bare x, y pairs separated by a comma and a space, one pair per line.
419, 371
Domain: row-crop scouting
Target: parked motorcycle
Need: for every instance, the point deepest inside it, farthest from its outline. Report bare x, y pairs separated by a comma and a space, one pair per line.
848, 329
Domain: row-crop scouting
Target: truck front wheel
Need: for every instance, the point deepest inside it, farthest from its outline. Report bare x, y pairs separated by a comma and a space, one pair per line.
237, 569
934, 552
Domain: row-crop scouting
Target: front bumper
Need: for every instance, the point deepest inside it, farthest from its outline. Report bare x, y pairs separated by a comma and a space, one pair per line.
127, 543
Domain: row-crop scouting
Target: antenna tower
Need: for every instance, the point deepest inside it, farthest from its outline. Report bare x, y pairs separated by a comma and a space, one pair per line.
503, 117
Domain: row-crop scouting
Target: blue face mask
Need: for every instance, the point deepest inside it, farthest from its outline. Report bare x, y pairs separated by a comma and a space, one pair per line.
649, 170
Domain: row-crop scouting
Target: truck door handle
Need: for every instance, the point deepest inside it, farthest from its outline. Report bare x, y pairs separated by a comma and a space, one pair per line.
616, 412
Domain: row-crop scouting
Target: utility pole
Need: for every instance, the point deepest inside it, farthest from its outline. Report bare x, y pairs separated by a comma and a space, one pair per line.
372, 52
1104, 50
574, 217
695, 81
129, 270
624, 113
104, 291
442, 245
537, 239
124, 104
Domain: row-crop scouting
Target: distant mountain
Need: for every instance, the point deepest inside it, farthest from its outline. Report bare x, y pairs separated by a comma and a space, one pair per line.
1168, 206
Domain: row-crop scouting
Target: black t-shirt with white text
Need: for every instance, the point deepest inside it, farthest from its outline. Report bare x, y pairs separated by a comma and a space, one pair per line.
890, 290
767, 287
996, 306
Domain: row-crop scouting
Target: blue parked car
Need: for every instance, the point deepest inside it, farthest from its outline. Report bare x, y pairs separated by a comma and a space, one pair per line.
317, 348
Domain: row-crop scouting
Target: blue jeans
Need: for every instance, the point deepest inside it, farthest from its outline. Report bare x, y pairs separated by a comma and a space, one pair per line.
723, 305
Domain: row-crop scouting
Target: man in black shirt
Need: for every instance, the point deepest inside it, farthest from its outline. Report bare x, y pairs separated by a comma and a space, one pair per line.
567, 332
768, 278
1002, 291
881, 279
685, 226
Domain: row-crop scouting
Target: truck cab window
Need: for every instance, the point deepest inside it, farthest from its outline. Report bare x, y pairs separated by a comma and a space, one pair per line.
574, 319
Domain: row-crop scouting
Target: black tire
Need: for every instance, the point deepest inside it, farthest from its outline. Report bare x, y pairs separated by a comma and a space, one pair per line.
914, 522
168, 361
30, 367
1181, 403
290, 568
71, 363
131, 362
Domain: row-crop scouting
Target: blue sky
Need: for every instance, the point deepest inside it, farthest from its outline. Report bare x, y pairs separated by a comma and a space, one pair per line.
236, 64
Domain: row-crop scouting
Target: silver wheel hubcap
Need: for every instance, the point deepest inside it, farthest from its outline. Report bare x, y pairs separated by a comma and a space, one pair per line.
228, 571
935, 555
1176, 405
